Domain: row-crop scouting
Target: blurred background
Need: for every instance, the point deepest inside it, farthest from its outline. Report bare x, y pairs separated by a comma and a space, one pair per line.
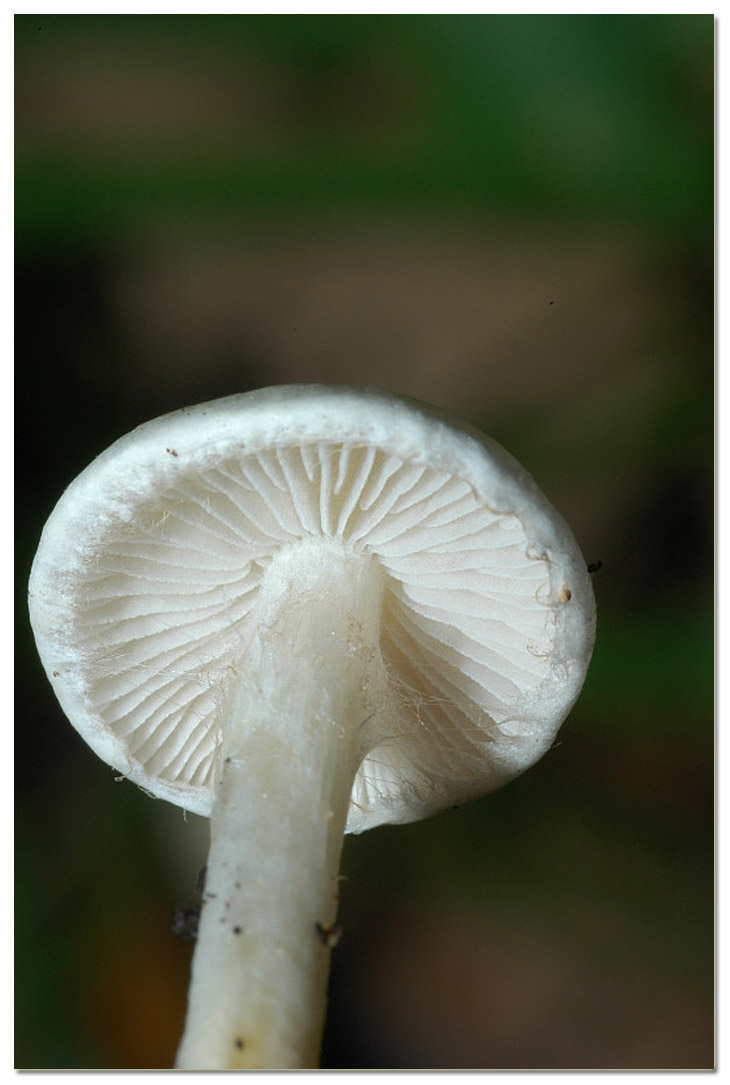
510, 217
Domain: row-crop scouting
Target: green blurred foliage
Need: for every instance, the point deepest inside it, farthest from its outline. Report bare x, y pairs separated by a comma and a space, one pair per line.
587, 115
587, 886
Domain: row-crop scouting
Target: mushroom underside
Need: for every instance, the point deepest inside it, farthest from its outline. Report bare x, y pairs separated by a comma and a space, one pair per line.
157, 618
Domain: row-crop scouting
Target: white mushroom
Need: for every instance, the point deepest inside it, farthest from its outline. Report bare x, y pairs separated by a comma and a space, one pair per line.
305, 611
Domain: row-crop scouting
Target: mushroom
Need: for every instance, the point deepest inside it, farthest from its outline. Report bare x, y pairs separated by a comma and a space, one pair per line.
305, 611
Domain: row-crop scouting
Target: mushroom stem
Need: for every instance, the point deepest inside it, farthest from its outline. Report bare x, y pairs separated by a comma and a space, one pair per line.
293, 742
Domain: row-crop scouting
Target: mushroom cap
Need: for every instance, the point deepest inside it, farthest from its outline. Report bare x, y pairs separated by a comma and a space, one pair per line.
150, 563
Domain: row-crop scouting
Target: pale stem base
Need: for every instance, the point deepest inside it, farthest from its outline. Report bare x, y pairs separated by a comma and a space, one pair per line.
290, 750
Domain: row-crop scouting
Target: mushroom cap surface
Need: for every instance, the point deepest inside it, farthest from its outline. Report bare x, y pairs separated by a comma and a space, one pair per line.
149, 566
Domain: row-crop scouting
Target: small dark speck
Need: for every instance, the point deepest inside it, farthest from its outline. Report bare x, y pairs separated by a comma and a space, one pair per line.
236, 930
595, 566
185, 923
56, 674
239, 1043
171, 451
551, 303
328, 936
